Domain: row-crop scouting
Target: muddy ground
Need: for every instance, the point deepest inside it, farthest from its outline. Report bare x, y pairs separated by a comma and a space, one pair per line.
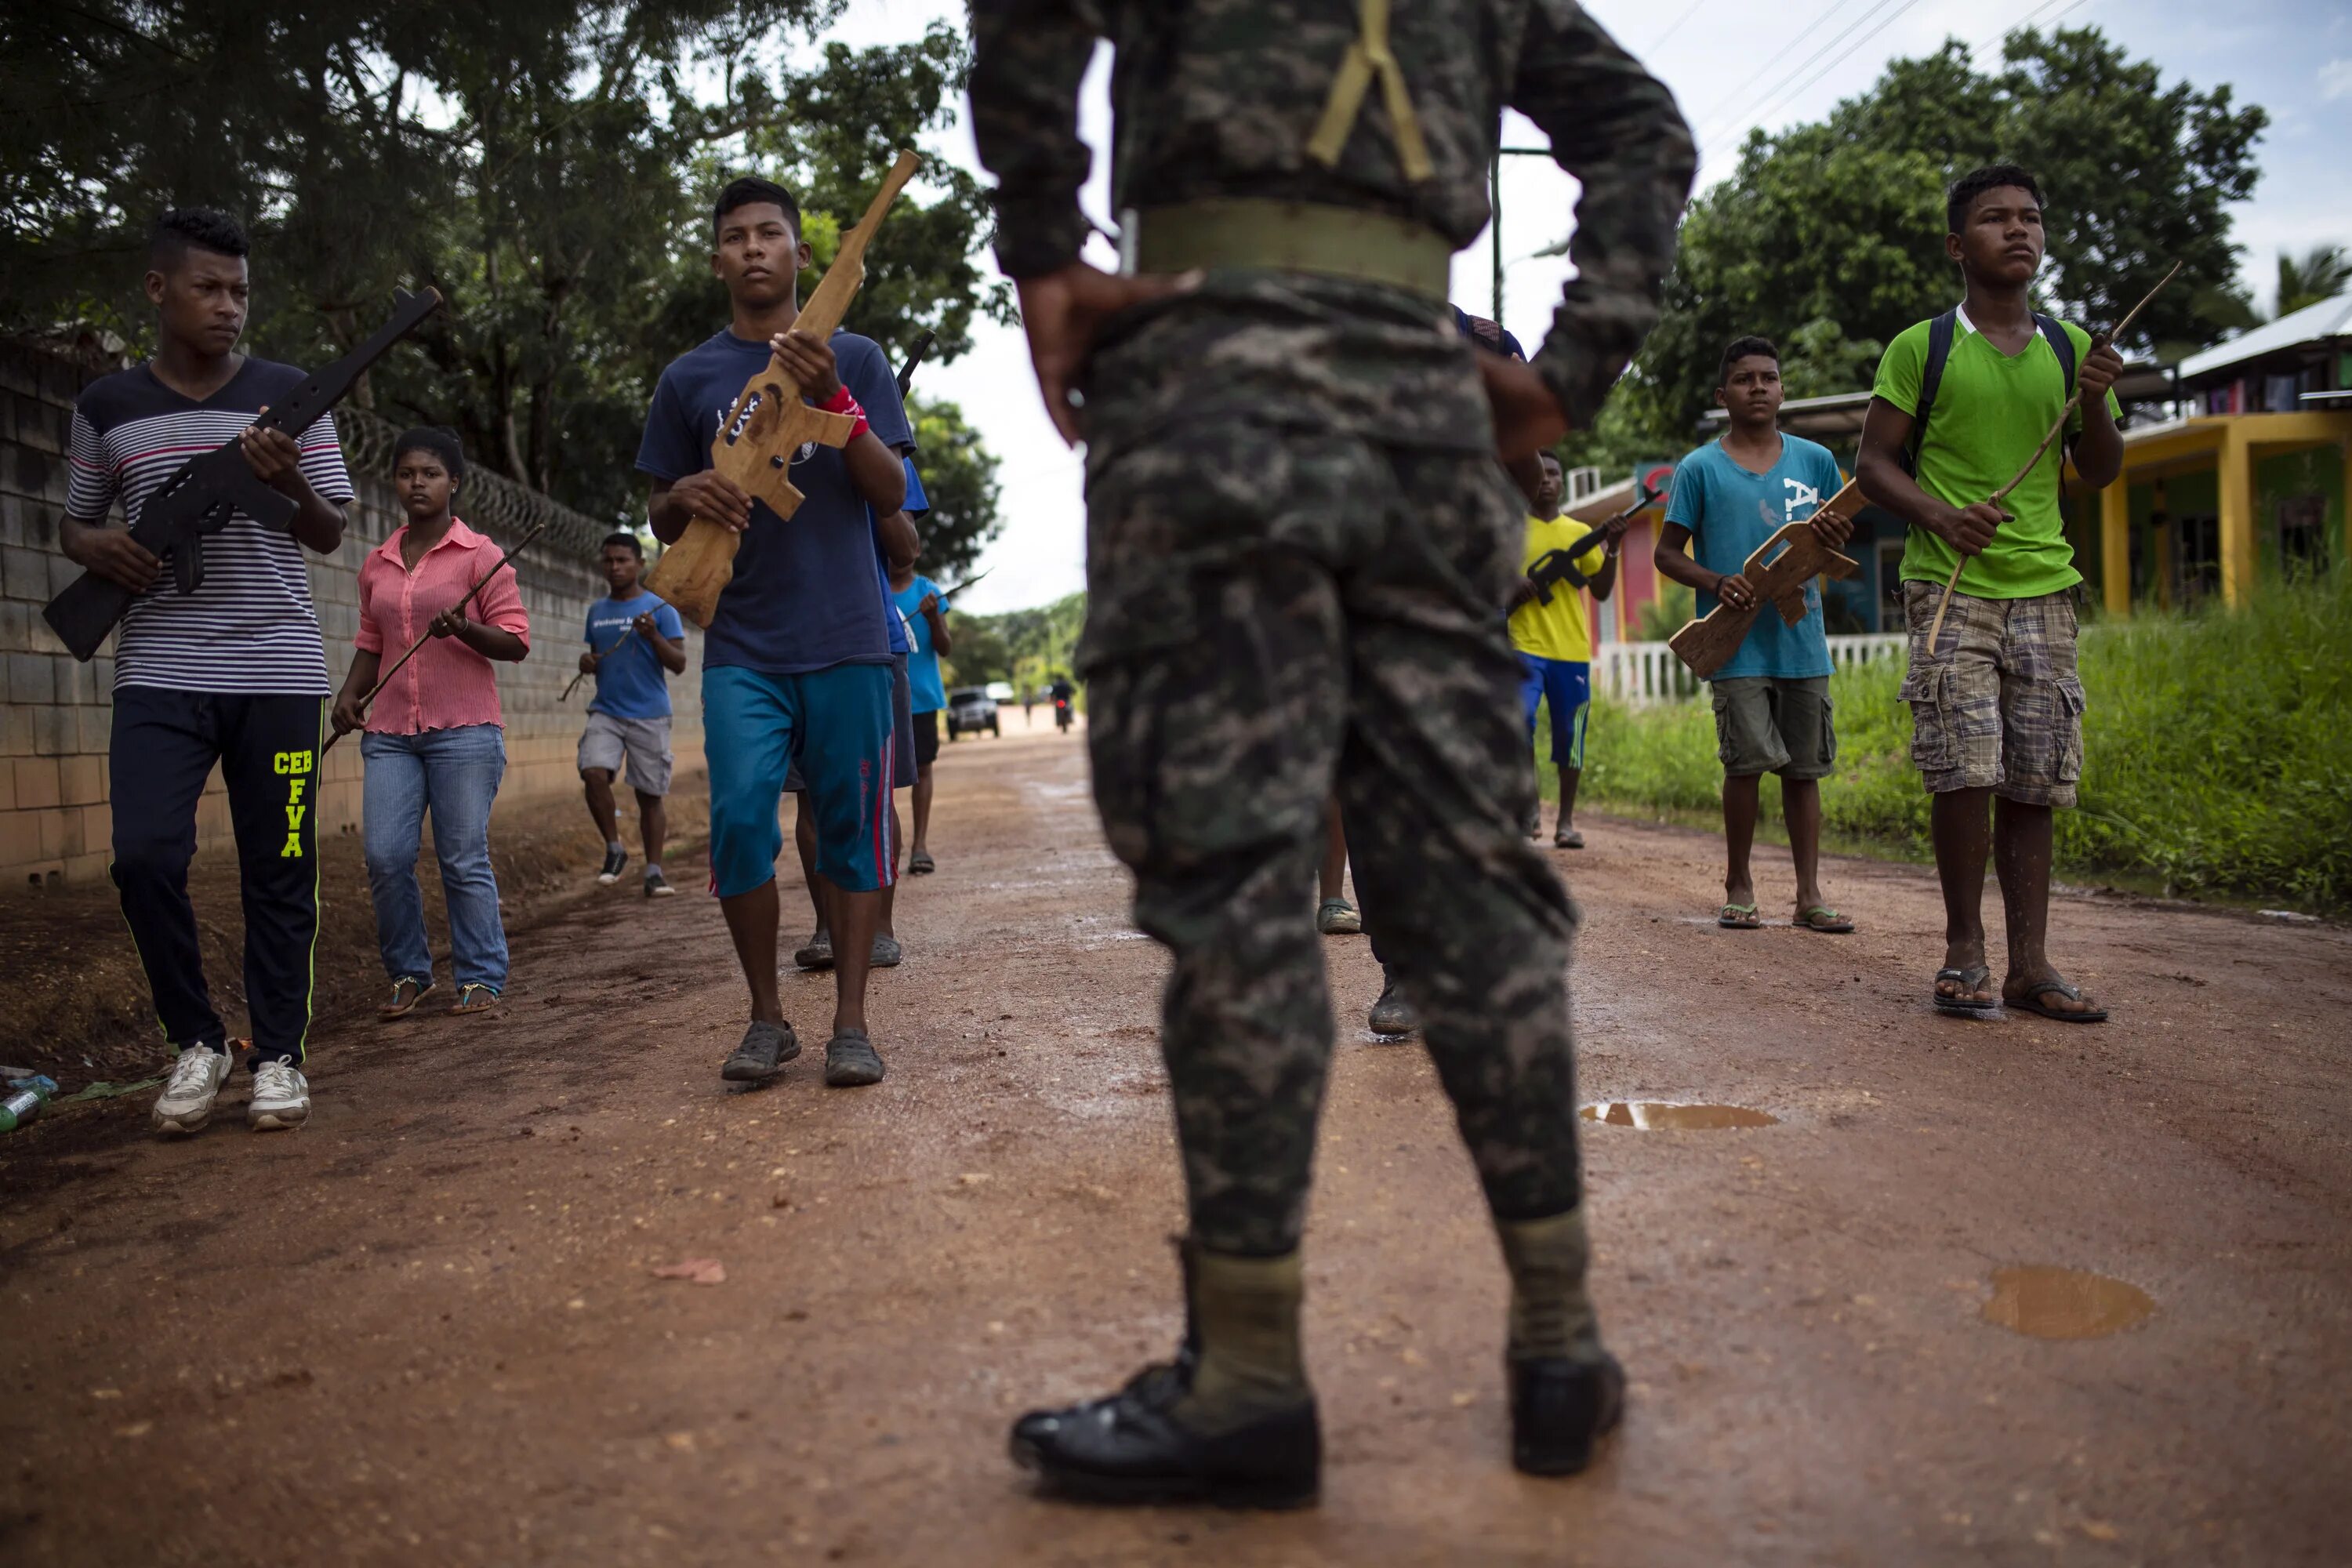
426, 1328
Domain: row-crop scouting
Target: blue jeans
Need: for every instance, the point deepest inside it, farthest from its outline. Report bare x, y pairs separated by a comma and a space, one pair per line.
455, 773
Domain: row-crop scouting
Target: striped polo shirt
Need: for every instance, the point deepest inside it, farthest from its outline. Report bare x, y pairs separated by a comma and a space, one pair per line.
250, 625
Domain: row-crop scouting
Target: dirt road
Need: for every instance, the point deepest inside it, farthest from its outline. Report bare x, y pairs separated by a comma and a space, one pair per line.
426, 1328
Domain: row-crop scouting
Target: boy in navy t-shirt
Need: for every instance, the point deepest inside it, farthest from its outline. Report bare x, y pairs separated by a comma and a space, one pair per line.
1772, 701
632, 639
796, 663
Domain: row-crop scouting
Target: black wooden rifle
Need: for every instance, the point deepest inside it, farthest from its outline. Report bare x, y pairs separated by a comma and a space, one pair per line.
1554, 567
199, 497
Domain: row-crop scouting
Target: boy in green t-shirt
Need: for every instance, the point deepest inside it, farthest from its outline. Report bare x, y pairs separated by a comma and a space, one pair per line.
1996, 703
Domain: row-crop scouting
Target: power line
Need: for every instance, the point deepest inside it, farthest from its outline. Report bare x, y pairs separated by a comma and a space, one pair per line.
1770, 95
1839, 59
1672, 28
2027, 20
1826, 12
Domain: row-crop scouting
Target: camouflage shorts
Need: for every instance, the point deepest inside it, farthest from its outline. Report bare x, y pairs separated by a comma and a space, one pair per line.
1996, 704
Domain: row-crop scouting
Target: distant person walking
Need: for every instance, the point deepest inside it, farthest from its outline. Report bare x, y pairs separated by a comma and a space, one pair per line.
433, 740
919, 599
632, 639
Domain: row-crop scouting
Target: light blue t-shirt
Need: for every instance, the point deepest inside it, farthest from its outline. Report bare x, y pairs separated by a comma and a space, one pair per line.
928, 692
629, 684
1731, 512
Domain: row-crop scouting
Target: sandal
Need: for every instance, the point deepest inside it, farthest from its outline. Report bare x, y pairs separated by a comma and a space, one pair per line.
1821, 917
406, 993
1738, 917
475, 997
2031, 1003
920, 864
1568, 838
1963, 1004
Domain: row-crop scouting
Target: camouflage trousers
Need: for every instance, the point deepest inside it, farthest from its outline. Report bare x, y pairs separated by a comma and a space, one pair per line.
1273, 616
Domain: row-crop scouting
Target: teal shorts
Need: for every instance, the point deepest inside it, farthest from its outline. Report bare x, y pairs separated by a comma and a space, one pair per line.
836, 726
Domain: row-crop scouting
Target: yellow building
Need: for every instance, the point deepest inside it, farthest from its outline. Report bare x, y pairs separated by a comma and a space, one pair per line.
2255, 482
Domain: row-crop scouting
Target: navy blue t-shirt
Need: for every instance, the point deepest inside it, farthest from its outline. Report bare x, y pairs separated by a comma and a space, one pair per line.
805, 594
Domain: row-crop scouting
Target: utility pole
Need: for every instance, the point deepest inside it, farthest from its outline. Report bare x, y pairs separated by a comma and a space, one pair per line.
1494, 203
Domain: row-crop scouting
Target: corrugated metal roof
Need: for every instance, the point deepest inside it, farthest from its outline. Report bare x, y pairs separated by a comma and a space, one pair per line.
2312, 324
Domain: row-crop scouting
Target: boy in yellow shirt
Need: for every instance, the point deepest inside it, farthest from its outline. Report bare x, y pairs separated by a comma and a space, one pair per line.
1554, 643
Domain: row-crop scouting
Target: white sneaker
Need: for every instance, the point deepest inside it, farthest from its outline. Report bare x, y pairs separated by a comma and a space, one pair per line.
282, 1097
186, 1102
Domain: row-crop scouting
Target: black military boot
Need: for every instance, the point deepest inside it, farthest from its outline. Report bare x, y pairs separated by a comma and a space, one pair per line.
1230, 1421
1565, 1391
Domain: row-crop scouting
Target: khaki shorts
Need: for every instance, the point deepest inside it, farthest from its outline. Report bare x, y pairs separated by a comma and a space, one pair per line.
644, 742
1772, 724
1998, 703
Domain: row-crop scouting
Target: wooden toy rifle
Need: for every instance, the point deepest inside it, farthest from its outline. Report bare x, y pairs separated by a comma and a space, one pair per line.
769, 423
1554, 567
199, 497
1707, 643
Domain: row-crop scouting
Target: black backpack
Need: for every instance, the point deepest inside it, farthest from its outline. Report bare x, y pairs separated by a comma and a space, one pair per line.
1940, 332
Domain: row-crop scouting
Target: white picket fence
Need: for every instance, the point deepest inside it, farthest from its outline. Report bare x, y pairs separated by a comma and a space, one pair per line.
1640, 673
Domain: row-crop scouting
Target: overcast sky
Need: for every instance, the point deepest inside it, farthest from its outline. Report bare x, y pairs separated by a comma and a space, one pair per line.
1732, 64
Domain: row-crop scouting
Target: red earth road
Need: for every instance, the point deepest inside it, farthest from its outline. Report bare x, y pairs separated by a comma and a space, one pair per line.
426, 1328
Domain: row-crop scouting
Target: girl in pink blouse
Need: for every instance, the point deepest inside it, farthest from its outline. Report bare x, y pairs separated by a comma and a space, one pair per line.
433, 738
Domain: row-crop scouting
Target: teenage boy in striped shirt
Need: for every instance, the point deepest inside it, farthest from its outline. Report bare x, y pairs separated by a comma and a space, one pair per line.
233, 674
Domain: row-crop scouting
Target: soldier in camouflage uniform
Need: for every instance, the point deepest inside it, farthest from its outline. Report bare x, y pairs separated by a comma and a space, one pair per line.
1298, 544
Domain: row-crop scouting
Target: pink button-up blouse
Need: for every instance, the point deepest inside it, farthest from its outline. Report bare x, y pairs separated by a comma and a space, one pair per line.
447, 684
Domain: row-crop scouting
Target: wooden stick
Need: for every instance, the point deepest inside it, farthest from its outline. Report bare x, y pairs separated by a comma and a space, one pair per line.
601, 657
385, 678
2098, 341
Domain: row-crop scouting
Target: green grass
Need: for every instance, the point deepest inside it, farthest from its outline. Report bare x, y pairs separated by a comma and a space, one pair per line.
2218, 754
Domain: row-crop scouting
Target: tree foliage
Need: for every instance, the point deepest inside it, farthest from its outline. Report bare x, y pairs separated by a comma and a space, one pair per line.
2316, 276
546, 164
1830, 236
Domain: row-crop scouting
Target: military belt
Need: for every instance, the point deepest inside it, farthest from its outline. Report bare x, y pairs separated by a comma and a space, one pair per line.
1295, 236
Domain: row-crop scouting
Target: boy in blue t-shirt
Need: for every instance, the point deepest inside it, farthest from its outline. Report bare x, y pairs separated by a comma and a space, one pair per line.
632, 637
1772, 701
925, 609
796, 662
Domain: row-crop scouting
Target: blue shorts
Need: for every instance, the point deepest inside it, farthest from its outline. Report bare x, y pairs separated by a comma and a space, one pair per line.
1567, 685
836, 726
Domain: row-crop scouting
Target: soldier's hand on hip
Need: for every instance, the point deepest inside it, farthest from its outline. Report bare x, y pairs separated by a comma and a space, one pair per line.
1528, 418
1063, 311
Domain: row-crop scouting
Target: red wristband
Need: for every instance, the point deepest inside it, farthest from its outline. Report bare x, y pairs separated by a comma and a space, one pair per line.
842, 402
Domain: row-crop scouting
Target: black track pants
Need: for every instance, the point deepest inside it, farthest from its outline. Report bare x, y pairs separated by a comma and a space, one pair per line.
164, 746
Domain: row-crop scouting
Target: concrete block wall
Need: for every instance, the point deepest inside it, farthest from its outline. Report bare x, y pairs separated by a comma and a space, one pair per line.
55, 713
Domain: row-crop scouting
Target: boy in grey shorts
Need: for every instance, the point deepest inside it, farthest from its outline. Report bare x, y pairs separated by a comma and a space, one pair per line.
1772, 711
632, 639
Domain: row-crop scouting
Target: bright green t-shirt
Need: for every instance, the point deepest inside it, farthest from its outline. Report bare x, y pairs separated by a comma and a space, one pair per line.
1990, 411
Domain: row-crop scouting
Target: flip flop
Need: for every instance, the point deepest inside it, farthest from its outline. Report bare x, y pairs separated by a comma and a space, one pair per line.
920, 864
1975, 978
1568, 838
398, 1007
475, 997
1738, 917
1821, 917
2031, 1003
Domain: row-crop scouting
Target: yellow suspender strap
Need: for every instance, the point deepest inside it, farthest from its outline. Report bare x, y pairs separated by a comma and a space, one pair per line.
1367, 57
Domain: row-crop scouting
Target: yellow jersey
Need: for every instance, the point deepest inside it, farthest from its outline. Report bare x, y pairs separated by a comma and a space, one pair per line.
1557, 630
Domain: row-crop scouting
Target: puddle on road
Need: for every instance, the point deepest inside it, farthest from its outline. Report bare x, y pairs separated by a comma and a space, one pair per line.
2052, 1303
1662, 1116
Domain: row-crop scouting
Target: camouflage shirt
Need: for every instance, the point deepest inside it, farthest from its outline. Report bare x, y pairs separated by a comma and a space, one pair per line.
1220, 97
